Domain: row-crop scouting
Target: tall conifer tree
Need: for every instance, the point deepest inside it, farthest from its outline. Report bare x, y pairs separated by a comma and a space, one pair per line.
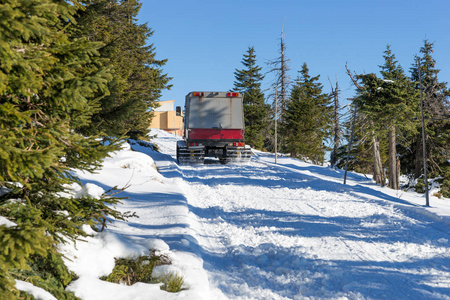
248, 82
390, 106
437, 114
50, 86
308, 118
137, 75
398, 106
336, 126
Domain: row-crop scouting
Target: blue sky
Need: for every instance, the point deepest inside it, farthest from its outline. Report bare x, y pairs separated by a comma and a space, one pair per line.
204, 41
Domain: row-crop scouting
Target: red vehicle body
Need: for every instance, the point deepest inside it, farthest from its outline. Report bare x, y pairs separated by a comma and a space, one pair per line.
213, 127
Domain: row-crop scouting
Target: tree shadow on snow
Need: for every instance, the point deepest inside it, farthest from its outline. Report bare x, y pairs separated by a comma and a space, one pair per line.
291, 273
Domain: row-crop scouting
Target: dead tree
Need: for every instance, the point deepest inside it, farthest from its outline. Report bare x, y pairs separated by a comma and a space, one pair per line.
280, 66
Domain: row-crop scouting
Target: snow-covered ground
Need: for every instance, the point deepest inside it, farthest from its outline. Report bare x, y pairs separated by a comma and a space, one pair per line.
264, 231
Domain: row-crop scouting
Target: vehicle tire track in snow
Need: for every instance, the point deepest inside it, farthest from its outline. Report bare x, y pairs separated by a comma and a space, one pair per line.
269, 232
222, 193
363, 255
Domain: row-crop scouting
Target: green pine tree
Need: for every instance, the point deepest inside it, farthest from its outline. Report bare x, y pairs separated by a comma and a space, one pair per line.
248, 82
437, 114
137, 75
308, 118
396, 108
50, 87
390, 106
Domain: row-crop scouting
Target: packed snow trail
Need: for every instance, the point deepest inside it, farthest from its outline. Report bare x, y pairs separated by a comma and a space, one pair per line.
294, 231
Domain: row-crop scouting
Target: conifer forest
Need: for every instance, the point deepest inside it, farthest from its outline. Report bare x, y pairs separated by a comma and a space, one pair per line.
77, 78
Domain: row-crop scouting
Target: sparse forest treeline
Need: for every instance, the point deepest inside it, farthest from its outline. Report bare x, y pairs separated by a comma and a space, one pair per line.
75, 77
387, 138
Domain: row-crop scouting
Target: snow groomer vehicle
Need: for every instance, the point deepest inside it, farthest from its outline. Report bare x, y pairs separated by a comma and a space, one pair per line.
213, 128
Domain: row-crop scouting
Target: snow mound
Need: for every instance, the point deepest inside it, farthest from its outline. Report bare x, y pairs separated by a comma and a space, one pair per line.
91, 190
36, 292
4, 221
136, 161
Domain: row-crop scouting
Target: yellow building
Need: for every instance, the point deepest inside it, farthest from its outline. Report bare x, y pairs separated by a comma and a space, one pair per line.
165, 117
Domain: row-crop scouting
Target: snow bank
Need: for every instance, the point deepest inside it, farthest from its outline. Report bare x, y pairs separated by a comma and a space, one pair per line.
162, 211
36, 292
4, 221
95, 258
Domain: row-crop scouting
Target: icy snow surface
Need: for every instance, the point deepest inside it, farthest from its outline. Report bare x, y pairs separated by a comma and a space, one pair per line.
264, 231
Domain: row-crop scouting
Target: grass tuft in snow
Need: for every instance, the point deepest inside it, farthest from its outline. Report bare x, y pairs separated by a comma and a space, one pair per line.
128, 271
172, 283
438, 194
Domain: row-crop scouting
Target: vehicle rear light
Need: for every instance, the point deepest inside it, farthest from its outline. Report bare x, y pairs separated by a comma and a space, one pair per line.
232, 94
240, 144
198, 94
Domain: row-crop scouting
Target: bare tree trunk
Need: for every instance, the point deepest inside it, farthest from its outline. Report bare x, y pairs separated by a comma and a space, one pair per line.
350, 145
276, 127
393, 177
378, 172
419, 158
376, 166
